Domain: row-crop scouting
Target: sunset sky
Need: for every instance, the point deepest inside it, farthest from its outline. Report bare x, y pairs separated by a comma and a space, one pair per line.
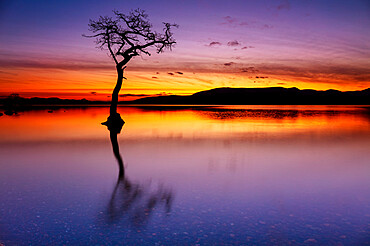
309, 44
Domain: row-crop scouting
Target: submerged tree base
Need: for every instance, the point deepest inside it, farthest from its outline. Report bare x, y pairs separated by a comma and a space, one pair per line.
114, 123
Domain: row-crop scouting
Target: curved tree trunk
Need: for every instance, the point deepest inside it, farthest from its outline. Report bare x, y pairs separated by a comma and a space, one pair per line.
113, 105
114, 121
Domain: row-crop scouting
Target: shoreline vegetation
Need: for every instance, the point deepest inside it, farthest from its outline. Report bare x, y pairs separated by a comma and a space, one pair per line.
218, 96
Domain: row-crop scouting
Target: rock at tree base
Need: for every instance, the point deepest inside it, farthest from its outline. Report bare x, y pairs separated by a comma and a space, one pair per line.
114, 123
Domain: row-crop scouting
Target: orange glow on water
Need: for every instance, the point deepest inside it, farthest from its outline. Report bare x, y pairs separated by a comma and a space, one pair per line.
239, 158
245, 123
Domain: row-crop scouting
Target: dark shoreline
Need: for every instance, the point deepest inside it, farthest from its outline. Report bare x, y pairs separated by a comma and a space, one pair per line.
218, 96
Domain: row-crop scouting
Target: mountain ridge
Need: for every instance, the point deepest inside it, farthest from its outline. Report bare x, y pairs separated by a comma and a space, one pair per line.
264, 96
220, 96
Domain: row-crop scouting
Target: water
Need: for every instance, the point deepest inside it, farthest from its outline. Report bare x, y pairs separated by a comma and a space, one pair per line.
253, 175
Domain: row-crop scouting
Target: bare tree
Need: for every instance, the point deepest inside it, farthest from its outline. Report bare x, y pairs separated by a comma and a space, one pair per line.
127, 36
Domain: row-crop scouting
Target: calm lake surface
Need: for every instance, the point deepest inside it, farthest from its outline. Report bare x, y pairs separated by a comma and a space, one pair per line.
242, 175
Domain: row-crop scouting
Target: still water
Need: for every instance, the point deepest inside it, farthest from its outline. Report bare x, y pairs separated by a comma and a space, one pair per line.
273, 175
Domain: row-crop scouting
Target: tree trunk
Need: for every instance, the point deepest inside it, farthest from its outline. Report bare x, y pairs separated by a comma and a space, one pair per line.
113, 105
114, 121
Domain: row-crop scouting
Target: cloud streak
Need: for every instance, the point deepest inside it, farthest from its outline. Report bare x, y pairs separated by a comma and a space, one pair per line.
60, 65
228, 64
214, 43
233, 43
235, 23
231, 21
135, 95
285, 5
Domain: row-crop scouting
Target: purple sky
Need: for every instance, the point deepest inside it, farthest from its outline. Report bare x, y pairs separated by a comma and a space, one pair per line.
306, 43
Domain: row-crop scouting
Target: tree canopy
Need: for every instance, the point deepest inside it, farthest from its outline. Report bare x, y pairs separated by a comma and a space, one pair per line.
127, 36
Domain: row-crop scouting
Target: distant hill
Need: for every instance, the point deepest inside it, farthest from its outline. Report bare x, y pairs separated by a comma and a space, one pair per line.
17, 100
14, 103
218, 96
264, 96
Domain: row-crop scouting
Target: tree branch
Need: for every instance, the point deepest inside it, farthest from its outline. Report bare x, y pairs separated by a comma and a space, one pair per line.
129, 35
110, 49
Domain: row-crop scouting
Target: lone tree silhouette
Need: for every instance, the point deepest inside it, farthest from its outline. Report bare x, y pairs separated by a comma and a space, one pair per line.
127, 36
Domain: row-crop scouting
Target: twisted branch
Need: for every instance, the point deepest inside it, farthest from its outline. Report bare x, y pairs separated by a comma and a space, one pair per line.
127, 36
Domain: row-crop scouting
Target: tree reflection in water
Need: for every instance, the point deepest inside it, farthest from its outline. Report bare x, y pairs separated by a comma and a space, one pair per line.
134, 201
